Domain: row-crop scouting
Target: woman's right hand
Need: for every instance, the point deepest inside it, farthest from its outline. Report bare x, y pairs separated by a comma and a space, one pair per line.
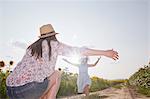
111, 54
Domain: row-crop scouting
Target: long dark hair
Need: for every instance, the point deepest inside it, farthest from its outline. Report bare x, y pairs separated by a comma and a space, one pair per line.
36, 47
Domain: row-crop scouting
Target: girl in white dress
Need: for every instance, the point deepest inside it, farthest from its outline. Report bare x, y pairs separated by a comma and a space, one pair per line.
83, 80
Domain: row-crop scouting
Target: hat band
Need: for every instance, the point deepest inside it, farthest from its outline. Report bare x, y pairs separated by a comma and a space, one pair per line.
47, 33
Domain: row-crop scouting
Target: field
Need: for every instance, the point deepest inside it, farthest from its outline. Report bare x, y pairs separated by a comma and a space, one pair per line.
136, 87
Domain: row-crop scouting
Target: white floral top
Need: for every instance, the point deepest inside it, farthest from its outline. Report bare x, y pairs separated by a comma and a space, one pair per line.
31, 69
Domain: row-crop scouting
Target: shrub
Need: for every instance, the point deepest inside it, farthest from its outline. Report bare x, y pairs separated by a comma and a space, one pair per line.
141, 79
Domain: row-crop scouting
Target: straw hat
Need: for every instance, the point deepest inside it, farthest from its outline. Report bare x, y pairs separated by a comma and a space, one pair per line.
47, 30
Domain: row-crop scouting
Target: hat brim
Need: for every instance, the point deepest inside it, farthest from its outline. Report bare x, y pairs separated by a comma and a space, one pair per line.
47, 35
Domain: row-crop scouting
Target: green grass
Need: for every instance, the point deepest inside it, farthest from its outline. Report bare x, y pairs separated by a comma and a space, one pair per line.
140, 80
118, 86
144, 91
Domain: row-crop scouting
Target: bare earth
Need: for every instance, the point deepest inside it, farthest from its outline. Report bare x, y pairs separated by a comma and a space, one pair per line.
111, 93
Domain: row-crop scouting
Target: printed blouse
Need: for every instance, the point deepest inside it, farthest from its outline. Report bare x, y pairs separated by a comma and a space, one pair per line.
31, 69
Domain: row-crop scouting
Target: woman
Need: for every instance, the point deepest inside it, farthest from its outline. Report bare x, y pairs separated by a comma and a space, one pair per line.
83, 80
35, 76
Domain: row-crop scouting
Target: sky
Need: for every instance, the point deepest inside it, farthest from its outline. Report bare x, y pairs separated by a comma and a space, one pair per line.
123, 25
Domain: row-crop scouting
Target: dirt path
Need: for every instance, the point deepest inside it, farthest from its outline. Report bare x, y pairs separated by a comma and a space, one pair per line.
111, 93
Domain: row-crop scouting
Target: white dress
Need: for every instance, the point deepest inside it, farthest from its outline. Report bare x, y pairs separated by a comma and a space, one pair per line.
83, 78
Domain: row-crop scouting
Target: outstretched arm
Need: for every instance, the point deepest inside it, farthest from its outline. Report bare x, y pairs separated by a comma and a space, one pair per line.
92, 65
70, 62
108, 53
66, 50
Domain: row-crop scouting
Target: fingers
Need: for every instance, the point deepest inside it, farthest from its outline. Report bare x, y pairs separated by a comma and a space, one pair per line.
115, 57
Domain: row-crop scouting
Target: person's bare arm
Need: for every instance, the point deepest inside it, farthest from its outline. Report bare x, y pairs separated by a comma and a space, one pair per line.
108, 53
70, 62
92, 65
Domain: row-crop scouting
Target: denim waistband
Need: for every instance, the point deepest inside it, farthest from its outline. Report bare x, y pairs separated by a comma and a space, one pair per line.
28, 91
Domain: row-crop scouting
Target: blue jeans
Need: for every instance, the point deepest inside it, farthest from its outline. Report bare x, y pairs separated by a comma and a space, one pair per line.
33, 90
